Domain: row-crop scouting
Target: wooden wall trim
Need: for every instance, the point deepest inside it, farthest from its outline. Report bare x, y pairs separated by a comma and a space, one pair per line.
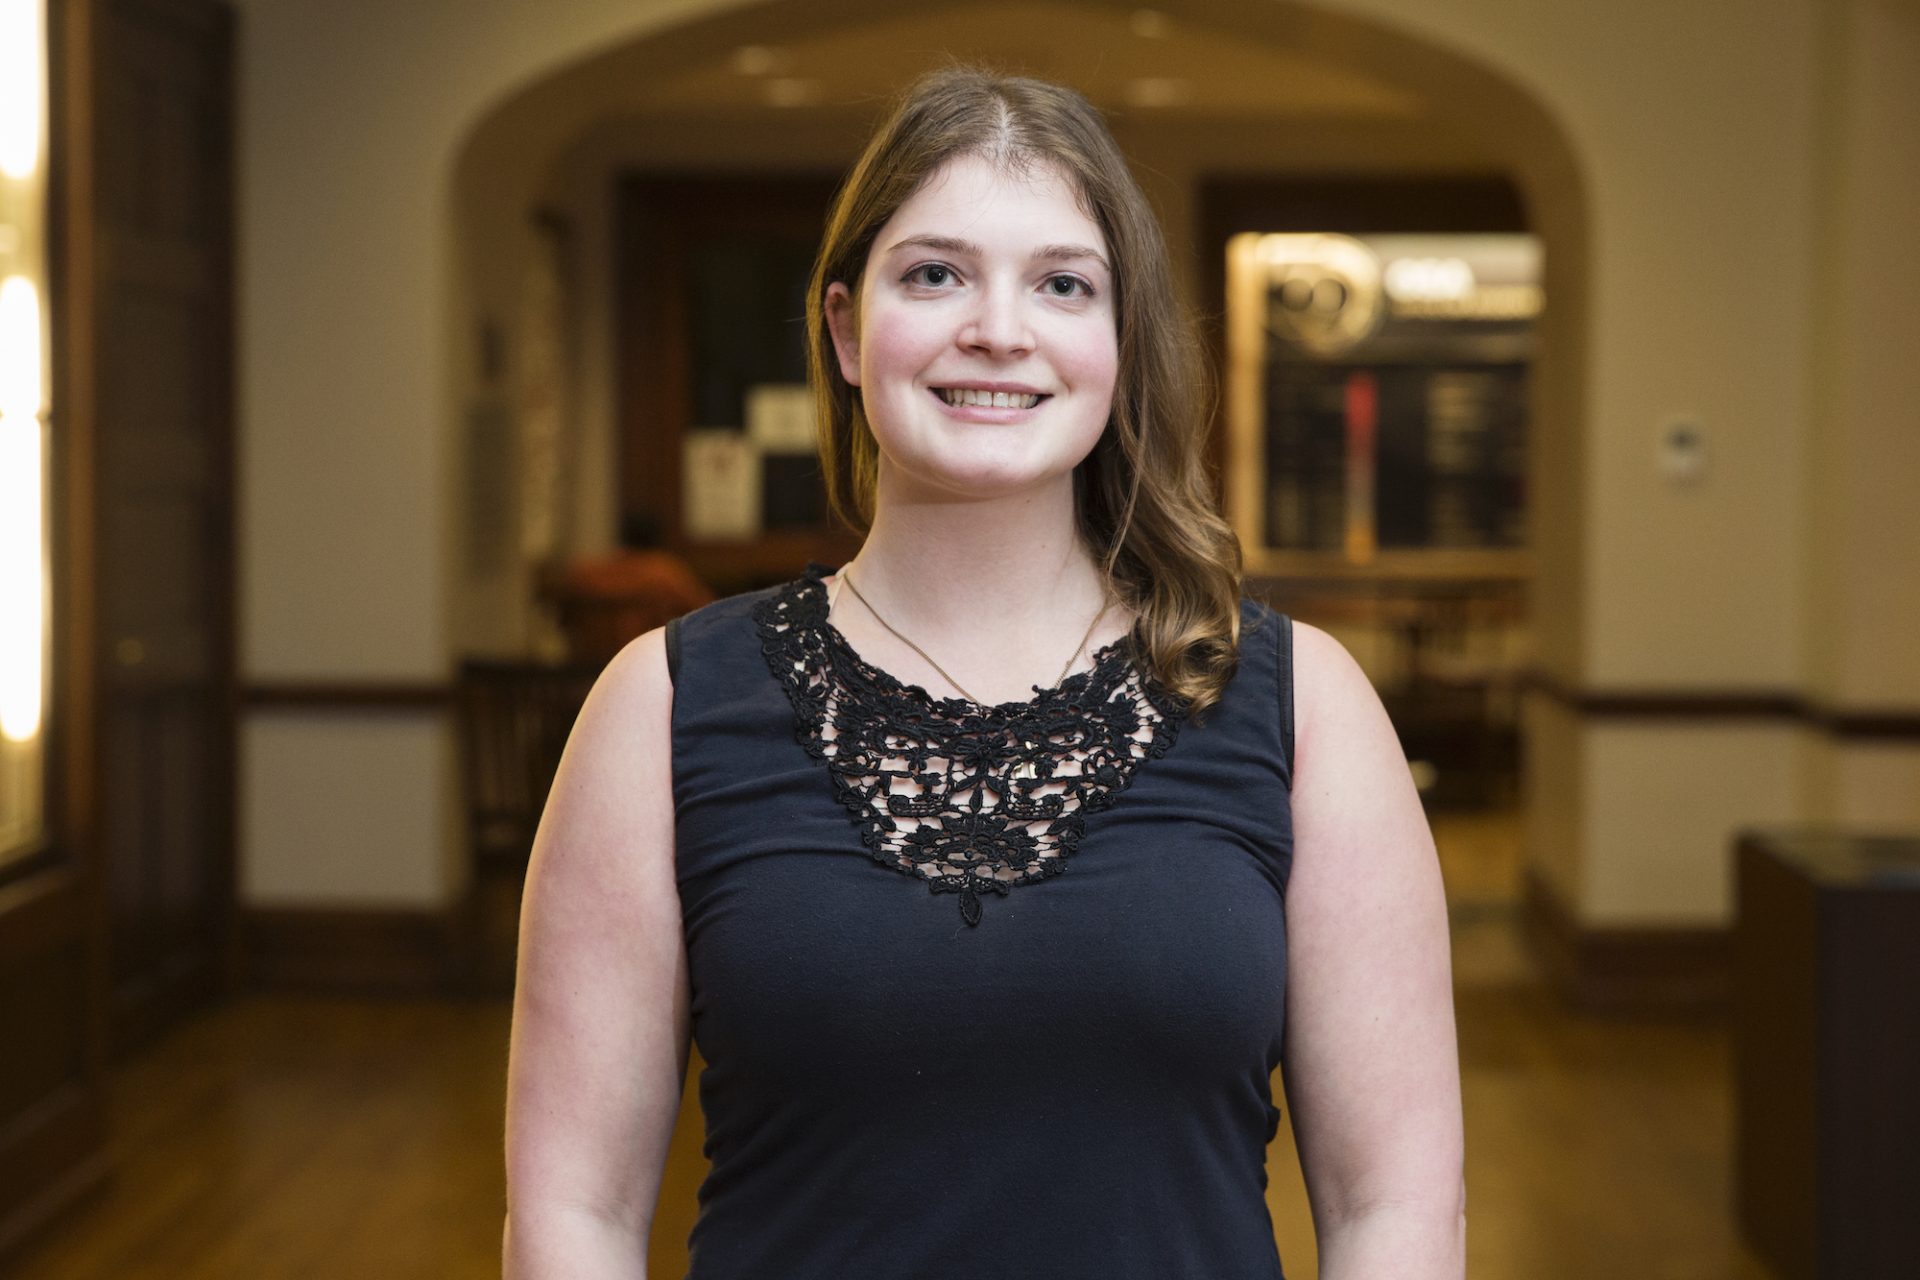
1624, 970
350, 950
425, 695
1882, 724
1889, 726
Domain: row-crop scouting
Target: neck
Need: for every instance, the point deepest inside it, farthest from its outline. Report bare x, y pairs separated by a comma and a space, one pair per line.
993, 577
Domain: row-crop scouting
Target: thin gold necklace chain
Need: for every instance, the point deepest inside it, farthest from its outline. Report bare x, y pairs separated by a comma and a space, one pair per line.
848, 579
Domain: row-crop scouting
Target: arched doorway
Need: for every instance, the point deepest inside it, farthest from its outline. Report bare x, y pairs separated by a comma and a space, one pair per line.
1348, 90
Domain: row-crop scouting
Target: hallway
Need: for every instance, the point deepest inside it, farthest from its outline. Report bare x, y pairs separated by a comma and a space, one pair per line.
292, 1137
370, 373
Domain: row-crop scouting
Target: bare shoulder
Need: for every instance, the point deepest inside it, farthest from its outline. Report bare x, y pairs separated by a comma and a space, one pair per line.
606, 837
600, 1014
601, 905
1356, 811
608, 825
632, 700
1372, 1065
1332, 695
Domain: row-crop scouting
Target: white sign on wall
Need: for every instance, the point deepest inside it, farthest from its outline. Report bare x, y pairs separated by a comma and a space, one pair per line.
780, 417
720, 485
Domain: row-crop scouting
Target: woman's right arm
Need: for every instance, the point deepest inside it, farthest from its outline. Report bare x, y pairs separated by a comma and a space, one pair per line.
600, 1006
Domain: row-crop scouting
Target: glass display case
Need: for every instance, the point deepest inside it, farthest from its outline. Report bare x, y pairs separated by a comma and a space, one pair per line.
1377, 402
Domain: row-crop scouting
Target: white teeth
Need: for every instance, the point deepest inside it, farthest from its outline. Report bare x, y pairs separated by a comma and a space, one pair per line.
988, 399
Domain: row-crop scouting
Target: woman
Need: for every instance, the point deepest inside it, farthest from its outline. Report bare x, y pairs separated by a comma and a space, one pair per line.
1189, 853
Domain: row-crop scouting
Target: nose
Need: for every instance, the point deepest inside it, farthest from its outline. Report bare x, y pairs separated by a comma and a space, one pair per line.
998, 323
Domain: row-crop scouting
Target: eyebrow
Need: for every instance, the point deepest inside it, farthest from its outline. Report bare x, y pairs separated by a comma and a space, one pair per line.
966, 248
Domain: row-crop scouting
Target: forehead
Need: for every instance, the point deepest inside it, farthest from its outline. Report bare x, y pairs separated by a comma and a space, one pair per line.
977, 198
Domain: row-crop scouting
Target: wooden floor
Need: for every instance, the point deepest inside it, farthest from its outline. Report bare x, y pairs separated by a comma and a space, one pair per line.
304, 1137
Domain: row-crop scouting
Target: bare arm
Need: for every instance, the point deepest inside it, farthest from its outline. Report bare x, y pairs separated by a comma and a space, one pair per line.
600, 1010
1372, 1064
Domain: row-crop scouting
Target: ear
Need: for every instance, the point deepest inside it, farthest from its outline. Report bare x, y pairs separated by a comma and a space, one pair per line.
845, 328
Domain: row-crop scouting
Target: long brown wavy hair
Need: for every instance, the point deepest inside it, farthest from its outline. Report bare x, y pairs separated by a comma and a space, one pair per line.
1144, 505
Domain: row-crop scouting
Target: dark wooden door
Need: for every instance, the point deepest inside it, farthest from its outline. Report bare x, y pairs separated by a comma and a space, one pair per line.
711, 281
118, 923
164, 503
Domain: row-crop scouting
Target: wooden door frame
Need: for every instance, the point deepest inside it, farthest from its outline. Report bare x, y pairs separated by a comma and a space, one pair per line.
57, 1153
56, 898
214, 20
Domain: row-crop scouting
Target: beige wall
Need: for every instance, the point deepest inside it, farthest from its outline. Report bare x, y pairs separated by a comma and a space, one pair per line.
1660, 802
1686, 150
333, 813
1863, 613
1554, 769
1695, 145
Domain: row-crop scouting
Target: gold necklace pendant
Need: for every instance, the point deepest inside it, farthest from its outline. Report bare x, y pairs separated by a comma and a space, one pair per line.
848, 579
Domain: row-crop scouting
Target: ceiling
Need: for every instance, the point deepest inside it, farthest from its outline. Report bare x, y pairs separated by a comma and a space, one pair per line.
1126, 61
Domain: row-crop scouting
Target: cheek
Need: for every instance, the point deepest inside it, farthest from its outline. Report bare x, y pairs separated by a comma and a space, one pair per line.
894, 346
1090, 361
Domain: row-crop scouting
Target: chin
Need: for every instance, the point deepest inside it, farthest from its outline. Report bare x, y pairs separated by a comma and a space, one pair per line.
981, 479
945, 460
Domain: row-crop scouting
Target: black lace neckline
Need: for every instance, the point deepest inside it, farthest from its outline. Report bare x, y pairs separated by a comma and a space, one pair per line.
969, 797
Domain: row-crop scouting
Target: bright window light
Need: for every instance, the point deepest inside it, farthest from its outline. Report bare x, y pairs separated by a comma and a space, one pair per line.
21, 393
22, 580
22, 90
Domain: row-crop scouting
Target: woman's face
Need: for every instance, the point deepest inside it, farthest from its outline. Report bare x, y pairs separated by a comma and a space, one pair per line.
986, 346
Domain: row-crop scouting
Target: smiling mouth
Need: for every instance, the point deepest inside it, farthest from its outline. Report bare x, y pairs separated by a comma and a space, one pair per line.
960, 397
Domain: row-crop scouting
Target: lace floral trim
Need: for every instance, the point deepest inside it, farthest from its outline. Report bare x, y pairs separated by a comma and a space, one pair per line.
970, 798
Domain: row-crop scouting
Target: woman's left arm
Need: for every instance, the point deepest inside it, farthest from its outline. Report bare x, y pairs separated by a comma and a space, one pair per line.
1372, 1066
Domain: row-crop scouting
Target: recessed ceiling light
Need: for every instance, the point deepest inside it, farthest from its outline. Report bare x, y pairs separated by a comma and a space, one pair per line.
757, 59
1150, 23
791, 92
1158, 91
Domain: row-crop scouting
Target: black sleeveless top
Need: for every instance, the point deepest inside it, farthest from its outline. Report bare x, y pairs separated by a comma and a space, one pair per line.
982, 991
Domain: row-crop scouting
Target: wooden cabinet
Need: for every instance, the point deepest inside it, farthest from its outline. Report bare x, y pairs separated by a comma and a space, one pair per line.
1826, 986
